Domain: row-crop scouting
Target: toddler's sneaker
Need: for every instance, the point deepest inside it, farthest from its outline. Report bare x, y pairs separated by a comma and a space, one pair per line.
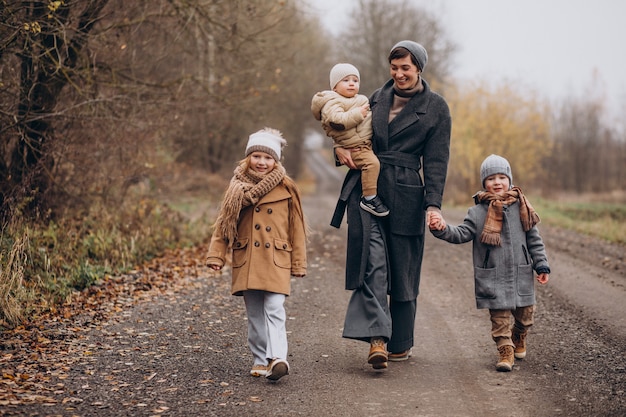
506, 358
519, 340
277, 369
258, 370
374, 206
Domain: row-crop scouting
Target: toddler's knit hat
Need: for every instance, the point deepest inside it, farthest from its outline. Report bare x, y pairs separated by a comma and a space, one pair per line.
340, 71
417, 50
266, 140
495, 164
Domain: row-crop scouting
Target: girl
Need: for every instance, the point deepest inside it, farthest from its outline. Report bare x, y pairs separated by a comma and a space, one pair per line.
261, 224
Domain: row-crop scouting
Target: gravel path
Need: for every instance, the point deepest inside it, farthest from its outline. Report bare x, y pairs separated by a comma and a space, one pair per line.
182, 351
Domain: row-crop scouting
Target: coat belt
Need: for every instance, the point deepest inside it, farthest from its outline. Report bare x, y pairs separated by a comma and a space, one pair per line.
401, 159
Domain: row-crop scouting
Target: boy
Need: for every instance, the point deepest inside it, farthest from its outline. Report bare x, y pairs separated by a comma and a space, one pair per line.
506, 248
346, 118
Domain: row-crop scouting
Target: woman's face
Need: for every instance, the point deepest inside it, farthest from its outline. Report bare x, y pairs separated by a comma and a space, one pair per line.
404, 73
262, 162
497, 184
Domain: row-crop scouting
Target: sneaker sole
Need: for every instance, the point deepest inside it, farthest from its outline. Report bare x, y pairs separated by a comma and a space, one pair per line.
520, 355
277, 372
401, 358
374, 212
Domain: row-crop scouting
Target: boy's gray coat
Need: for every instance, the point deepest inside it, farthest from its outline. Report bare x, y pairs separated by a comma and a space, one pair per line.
503, 275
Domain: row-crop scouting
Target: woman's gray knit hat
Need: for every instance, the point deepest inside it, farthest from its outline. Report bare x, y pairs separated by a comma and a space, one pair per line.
495, 164
417, 50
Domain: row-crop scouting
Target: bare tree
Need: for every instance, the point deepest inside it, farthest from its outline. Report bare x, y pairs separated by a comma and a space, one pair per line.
376, 25
589, 156
99, 94
45, 41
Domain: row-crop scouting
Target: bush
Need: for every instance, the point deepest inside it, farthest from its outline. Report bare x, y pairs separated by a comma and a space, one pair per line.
47, 262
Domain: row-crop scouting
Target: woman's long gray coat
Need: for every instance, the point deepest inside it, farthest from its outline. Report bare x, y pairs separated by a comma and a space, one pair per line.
418, 136
503, 275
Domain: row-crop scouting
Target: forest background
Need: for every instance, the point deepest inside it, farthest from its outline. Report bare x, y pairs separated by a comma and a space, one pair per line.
121, 122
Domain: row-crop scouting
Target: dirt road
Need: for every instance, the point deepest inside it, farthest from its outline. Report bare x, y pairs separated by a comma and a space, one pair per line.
185, 354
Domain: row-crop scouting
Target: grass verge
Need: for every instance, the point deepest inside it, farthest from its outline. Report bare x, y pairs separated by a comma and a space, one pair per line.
604, 220
41, 265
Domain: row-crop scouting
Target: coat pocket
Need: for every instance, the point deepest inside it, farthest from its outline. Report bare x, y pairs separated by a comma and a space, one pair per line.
525, 280
240, 248
407, 213
485, 282
282, 253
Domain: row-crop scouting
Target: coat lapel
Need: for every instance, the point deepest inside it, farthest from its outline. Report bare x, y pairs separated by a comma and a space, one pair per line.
380, 117
410, 115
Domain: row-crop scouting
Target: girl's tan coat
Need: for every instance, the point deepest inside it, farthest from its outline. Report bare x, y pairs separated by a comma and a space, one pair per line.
266, 252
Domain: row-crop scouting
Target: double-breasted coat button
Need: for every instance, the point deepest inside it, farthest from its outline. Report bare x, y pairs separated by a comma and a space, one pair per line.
269, 210
284, 246
268, 228
257, 209
257, 244
267, 245
257, 226
238, 244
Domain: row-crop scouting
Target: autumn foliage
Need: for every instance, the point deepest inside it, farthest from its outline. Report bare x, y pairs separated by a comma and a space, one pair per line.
498, 120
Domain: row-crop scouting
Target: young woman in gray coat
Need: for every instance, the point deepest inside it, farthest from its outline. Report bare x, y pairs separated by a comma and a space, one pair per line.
411, 135
506, 248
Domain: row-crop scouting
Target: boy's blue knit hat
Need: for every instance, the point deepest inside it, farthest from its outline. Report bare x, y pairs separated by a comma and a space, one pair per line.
495, 164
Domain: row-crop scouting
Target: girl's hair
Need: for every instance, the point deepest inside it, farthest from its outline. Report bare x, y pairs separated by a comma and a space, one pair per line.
245, 162
401, 52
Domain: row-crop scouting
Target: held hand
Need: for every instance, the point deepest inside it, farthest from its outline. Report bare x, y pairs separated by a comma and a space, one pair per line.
345, 157
215, 267
543, 278
435, 220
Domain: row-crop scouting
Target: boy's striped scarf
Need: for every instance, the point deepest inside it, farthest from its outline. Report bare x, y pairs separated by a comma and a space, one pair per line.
493, 222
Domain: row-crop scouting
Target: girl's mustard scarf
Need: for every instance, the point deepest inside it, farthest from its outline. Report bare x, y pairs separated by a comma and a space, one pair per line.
493, 223
246, 188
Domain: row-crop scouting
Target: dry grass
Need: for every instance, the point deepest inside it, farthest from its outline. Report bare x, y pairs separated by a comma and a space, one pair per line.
11, 281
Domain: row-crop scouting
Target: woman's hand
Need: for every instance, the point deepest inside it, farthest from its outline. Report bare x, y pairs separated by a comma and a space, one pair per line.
435, 220
345, 157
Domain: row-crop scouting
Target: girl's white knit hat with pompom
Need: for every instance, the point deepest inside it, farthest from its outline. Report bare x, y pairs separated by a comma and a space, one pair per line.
266, 140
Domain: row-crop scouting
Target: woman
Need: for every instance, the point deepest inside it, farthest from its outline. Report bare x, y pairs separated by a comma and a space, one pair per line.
411, 126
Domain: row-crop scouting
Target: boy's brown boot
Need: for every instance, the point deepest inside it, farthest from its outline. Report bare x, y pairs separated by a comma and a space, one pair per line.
378, 353
519, 340
506, 358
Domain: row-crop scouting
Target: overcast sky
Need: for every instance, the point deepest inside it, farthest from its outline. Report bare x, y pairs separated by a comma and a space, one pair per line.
553, 46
